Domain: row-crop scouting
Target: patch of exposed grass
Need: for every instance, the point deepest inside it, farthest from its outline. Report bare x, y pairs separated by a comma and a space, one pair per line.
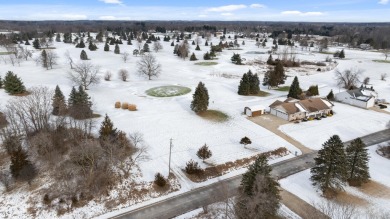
6, 53
326, 52
284, 88
214, 115
168, 91
206, 63
381, 61
260, 94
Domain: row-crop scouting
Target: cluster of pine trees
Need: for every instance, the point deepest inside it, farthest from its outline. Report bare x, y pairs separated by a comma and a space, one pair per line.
336, 165
249, 84
78, 106
275, 77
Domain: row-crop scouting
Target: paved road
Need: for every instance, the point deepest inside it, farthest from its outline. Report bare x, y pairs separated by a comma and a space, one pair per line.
203, 196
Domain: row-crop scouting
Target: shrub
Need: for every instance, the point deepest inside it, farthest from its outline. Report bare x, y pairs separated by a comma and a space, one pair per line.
245, 140
46, 199
117, 105
160, 180
125, 105
132, 107
204, 152
123, 74
384, 151
108, 76
193, 167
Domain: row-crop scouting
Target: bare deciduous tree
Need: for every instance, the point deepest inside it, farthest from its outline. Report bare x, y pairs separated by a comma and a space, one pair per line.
69, 59
348, 78
157, 46
125, 56
85, 74
52, 58
148, 66
383, 76
139, 43
123, 74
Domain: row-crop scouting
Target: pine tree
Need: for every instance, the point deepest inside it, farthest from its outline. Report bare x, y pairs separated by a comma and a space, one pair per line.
357, 162
313, 90
21, 168
146, 47
27, 43
92, 46
342, 54
83, 55
254, 83
236, 59
270, 60
330, 96
117, 50
81, 44
200, 100
295, 90
193, 57
36, 44
58, 37
1, 82
107, 129
173, 43
279, 73
59, 103
244, 87
330, 172
206, 43
13, 84
129, 42
44, 59
258, 193
245, 140
204, 152
206, 56
197, 47
106, 47
79, 104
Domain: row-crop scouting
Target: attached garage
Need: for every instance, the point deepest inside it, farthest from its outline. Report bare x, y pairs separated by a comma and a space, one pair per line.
253, 111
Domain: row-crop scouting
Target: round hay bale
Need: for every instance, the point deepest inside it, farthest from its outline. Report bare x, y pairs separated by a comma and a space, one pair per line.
125, 105
132, 107
117, 105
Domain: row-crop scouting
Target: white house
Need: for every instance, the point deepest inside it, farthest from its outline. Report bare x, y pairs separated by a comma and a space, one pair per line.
293, 109
361, 97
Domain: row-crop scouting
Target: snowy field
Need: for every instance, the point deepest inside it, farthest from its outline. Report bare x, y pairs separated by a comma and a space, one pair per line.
161, 119
368, 202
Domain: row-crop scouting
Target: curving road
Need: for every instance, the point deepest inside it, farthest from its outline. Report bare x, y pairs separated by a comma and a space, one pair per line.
219, 191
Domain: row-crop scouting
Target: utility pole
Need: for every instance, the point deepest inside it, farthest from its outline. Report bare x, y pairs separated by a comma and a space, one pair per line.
170, 152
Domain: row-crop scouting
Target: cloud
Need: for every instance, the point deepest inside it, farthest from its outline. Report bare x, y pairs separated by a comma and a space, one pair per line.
299, 13
119, 2
74, 16
202, 15
227, 14
383, 2
257, 6
226, 8
107, 17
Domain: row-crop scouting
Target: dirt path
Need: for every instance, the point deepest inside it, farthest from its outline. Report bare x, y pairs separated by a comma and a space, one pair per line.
300, 207
375, 189
272, 123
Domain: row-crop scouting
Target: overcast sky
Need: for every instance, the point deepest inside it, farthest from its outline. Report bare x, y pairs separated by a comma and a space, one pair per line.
265, 10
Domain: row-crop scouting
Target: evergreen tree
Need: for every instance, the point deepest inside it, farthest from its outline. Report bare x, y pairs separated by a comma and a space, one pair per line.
330, 96
357, 162
342, 54
107, 129
106, 47
193, 43
83, 55
81, 44
146, 47
206, 56
44, 59
58, 37
270, 60
200, 100
92, 46
129, 42
236, 59
330, 171
1, 82
13, 84
244, 87
36, 44
313, 91
258, 193
295, 90
245, 140
79, 104
279, 73
193, 57
206, 43
117, 50
254, 83
21, 168
197, 48
59, 103
173, 43
27, 43
204, 152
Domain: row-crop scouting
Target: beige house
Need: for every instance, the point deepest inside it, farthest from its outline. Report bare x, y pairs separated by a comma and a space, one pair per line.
292, 109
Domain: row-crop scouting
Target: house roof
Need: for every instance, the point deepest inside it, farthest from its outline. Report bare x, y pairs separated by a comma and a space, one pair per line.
362, 94
308, 105
256, 108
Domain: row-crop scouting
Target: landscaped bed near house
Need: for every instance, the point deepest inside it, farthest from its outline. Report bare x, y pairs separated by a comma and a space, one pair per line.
168, 91
214, 115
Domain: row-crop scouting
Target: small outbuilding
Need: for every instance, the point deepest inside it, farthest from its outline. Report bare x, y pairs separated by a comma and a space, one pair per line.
253, 111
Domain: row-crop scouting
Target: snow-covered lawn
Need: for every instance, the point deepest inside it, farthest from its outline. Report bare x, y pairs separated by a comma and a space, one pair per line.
348, 122
372, 200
